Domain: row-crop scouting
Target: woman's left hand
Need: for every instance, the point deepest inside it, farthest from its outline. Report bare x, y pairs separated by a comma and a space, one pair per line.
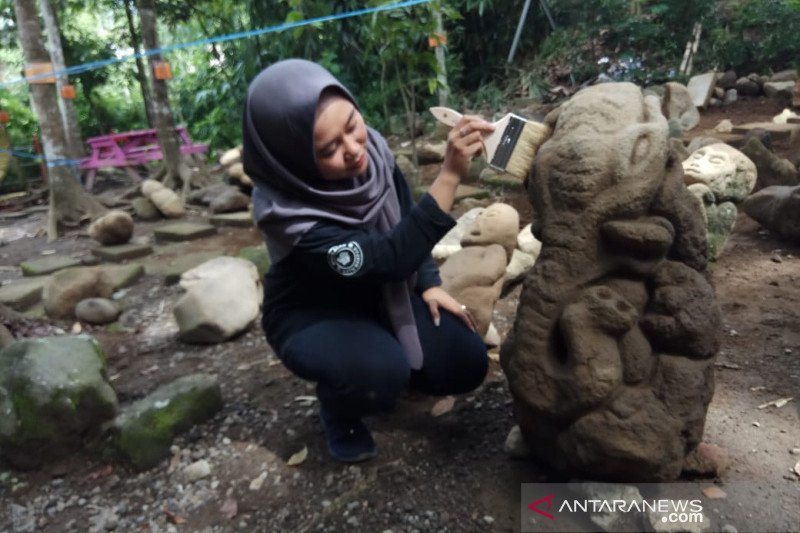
437, 298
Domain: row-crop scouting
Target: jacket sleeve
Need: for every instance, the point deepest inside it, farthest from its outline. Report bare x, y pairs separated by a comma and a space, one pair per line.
339, 252
428, 272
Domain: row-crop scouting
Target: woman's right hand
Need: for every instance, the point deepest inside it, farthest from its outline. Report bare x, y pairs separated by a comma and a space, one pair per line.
464, 142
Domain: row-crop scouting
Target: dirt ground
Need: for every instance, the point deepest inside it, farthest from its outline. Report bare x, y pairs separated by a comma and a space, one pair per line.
445, 473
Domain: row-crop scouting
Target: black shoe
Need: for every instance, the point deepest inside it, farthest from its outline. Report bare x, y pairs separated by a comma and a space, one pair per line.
349, 440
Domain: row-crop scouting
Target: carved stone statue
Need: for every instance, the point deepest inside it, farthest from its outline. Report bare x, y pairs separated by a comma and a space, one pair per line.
719, 175
610, 360
729, 173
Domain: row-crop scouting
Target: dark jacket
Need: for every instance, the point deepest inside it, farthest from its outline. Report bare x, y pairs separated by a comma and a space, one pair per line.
336, 269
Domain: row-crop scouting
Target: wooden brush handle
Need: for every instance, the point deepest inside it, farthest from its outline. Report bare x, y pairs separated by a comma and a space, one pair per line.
445, 115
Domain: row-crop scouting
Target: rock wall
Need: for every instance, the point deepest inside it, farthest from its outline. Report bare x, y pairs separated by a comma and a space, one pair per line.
610, 360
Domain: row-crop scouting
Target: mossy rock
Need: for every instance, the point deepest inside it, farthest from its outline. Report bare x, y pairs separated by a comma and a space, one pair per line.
53, 393
143, 432
721, 219
258, 256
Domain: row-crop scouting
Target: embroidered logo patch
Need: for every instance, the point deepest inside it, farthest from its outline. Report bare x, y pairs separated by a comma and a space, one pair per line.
346, 259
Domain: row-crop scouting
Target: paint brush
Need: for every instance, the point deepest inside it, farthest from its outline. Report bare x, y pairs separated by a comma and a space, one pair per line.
513, 144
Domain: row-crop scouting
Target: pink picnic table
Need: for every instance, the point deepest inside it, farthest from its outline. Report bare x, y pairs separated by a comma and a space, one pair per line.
130, 149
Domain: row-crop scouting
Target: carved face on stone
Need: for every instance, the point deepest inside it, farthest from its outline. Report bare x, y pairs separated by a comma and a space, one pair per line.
607, 146
497, 224
729, 173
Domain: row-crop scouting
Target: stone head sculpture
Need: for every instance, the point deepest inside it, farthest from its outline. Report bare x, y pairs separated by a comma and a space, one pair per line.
497, 224
729, 173
609, 139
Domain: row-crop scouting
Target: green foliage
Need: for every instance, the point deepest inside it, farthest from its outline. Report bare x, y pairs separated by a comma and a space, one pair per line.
385, 59
756, 36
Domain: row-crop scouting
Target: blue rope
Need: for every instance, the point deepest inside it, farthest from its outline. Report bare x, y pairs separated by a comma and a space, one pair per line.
93, 65
40, 157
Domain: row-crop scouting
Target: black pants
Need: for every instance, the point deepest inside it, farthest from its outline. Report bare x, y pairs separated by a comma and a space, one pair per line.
360, 368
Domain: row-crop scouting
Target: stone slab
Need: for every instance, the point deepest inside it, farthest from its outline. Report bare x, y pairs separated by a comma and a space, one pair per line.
47, 265
778, 131
124, 275
23, 294
172, 268
184, 231
121, 252
701, 88
242, 219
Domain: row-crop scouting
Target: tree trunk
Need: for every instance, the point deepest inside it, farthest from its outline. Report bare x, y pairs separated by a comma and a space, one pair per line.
140, 71
72, 131
177, 171
69, 203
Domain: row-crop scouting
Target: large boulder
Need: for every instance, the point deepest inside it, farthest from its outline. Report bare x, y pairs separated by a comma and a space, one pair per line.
115, 227
779, 89
497, 224
610, 359
143, 432
68, 287
777, 208
474, 277
165, 200
729, 173
145, 209
747, 87
53, 394
97, 311
230, 200
678, 105
223, 299
772, 169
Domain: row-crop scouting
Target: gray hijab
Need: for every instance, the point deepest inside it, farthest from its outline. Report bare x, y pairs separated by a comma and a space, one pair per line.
290, 196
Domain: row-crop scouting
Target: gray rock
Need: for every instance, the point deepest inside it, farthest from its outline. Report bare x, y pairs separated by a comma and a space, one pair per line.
772, 169
223, 299
406, 166
678, 105
612, 521
777, 208
115, 227
143, 432
747, 87
675, 128
68, 287
97, 311
197, 470
727, 80
779, 89
515, 445
430, 152
53, 393
699, 142
205, 195
145, 209
229, 201
784, 75
730, 97
6, 337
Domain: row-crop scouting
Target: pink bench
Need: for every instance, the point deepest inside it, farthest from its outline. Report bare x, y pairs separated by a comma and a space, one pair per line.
129, 149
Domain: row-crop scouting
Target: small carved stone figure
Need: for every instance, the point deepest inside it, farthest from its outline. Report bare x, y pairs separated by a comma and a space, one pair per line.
729, 173
719, 175
610, 360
